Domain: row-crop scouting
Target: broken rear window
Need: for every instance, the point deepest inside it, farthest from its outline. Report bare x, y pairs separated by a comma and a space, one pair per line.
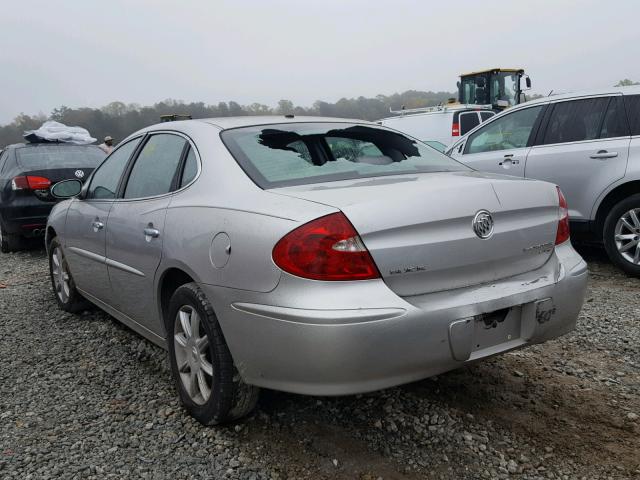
303, 153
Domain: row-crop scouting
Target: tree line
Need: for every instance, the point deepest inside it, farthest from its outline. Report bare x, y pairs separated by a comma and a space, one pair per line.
119, 119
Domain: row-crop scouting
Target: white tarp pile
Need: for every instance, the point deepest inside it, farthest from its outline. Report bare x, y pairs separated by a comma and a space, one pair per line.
58, 132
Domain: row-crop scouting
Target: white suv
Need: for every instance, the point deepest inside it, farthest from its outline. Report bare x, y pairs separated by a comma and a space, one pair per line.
587, 143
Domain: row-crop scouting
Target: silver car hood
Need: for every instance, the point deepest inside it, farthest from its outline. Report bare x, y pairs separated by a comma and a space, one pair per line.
419, 231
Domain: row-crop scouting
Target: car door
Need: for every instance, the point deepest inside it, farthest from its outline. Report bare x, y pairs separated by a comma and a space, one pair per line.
87, 218
136, 227
501, 146
632, 104
583, 147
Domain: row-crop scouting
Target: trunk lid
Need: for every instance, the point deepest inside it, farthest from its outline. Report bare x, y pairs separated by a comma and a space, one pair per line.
418, 228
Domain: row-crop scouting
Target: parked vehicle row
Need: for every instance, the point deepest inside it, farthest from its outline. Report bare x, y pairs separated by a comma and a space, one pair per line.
311, 255
589, 145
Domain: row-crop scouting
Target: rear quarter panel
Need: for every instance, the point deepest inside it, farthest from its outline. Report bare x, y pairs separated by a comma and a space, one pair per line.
224, 204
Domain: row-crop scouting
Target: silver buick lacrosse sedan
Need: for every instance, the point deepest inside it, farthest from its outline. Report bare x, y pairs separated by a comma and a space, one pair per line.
311, 255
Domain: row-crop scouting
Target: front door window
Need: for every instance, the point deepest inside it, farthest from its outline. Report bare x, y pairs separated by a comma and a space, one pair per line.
508, 132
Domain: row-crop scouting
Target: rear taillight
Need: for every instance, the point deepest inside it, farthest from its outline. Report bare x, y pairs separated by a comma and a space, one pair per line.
328, 248
455, 130
30, 182
562, 235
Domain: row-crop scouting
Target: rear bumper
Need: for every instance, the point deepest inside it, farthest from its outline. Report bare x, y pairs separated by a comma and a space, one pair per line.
25, 216
343, 348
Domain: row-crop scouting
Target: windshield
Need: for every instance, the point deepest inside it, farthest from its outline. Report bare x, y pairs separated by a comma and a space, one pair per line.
504, 88
60, 156
298, 154
489, 89
474, 91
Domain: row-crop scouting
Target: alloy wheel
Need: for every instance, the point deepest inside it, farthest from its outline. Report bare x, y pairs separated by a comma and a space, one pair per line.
193, 355
627, 236
60, 275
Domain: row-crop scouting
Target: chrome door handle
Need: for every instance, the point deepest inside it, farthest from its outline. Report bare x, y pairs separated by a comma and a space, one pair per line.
600, 154
151, 232
97, 225
508, 161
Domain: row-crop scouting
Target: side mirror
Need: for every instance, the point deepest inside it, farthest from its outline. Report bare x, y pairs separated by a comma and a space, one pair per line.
66, 188
527, 82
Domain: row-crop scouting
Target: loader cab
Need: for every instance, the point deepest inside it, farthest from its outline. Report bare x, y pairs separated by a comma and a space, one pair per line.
498, 87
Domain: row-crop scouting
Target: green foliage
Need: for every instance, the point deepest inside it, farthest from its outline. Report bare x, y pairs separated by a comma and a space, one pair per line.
626, 83
119, 119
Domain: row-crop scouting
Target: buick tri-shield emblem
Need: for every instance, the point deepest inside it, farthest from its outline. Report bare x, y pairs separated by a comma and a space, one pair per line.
79, 173
483, 224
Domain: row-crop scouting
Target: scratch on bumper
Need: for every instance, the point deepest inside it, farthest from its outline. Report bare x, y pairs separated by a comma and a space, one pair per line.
320, 317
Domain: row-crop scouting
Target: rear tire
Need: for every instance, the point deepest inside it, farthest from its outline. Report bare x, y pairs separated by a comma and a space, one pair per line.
8, 242
622, 235
208, 383
64, 288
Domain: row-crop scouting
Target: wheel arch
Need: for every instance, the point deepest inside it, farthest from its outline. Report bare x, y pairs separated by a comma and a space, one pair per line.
169, 281
49, 235
614, 196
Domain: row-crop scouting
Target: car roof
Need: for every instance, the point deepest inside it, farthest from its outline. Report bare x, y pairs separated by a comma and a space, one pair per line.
630, 90
225, 123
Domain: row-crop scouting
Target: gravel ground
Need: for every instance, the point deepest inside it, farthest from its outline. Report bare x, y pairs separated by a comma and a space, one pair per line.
84, 397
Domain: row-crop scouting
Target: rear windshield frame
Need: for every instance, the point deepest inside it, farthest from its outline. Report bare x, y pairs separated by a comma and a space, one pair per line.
254, 174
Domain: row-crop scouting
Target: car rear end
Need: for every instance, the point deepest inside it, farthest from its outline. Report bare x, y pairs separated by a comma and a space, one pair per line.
418, 267
442, 125
26, 198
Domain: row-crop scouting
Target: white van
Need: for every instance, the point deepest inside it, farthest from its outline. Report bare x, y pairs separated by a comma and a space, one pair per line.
439, 126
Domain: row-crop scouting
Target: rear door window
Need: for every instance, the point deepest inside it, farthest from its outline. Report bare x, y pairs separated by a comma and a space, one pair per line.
156, 165
3, 160
468, 121
505, 133
632, 103
59, 156
615, 122
575, 120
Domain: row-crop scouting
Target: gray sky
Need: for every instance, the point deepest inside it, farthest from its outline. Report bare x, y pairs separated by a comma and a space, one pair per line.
89, 53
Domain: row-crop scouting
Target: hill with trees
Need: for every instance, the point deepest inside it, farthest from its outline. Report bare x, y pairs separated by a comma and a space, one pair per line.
119, 119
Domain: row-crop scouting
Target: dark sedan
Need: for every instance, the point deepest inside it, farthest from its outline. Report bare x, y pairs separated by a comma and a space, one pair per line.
26, 173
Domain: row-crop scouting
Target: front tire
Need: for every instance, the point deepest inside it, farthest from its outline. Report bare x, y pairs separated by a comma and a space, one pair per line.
622, 235
208, 383
64, 288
